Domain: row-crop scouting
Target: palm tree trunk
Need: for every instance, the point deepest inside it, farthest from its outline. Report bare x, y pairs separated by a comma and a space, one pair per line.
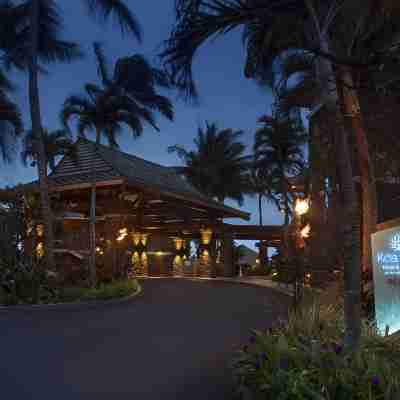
260, 208
351, 222
92, 220
34, 102
351, 109
286, 232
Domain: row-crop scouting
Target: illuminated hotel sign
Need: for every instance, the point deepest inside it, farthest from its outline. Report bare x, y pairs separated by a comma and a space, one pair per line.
386, 262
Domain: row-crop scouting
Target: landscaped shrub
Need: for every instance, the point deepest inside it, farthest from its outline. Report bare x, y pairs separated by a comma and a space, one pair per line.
115, 289
24, 281
45, 295
303, 358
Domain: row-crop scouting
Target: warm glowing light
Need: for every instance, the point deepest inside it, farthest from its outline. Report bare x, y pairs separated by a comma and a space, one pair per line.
144, 237
257, 261
305, 232
123, 233
308, 276
40, 250
301, 206
159, 253
99, 250
206, 235
178, 243
40, 230
275, 274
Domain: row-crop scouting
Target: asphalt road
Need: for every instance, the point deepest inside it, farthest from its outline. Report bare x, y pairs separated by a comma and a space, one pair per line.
175, 341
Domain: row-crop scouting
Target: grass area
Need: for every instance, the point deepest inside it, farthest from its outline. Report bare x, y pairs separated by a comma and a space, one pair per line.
104, 291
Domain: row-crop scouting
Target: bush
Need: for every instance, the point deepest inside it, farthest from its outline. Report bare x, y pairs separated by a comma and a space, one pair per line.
303, 359
45, 295
104, 291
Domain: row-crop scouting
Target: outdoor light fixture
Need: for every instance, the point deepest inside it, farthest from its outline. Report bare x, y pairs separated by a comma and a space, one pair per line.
305, 232
301, 207
40, 230
144, 237
178, 243
123, 233
40, 250
206, 235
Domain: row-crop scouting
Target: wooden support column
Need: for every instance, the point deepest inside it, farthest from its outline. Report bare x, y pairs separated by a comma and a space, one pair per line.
227, 254
179, 258
207, 256
263, 254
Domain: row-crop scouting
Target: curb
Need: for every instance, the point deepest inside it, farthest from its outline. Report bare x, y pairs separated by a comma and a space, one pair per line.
76, 304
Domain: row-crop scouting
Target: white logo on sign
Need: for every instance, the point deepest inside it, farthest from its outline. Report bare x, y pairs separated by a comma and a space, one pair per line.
395, 242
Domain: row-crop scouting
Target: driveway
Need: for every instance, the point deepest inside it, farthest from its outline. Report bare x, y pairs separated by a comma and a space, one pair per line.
175, 341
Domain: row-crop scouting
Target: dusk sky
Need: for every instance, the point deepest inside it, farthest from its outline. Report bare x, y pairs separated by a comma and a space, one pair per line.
226, 96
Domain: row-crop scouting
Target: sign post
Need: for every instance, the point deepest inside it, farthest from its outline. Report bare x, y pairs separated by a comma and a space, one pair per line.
386, 269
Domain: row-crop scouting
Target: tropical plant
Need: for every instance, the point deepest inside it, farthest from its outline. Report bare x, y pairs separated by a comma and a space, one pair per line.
352, 34
17, 46
126, 97
262, 185
218, 167
57, 143
303, 358
279, 156
30, 33
11, 124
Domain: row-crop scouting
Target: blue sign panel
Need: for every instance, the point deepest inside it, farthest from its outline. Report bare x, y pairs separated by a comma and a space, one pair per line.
386, 262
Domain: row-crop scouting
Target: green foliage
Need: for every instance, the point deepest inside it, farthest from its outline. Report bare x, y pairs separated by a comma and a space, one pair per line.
218, 167
104, 291
28, 287
303, 359
24, 282
57, 143
127, 96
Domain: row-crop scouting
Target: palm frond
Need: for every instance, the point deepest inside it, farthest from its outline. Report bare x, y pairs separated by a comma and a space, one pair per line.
197, 22
101, 63
117, 8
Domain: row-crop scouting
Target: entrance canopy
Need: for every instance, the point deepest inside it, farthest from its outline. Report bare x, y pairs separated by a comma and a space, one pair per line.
141, 192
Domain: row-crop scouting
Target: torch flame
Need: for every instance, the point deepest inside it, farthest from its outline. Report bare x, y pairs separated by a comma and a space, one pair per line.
305, 232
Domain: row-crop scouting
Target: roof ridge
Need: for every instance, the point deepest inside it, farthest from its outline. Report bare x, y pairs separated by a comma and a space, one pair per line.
125, 154
96, 150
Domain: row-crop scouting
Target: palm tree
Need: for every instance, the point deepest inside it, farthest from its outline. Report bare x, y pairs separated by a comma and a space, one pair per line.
29, 35
16, 48
262, 184
127, 97
57, 143
306, 93
279, 156
11, 124
218, 166
357, 35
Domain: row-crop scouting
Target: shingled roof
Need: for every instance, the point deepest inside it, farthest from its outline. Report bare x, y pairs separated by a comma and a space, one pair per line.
112, 164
